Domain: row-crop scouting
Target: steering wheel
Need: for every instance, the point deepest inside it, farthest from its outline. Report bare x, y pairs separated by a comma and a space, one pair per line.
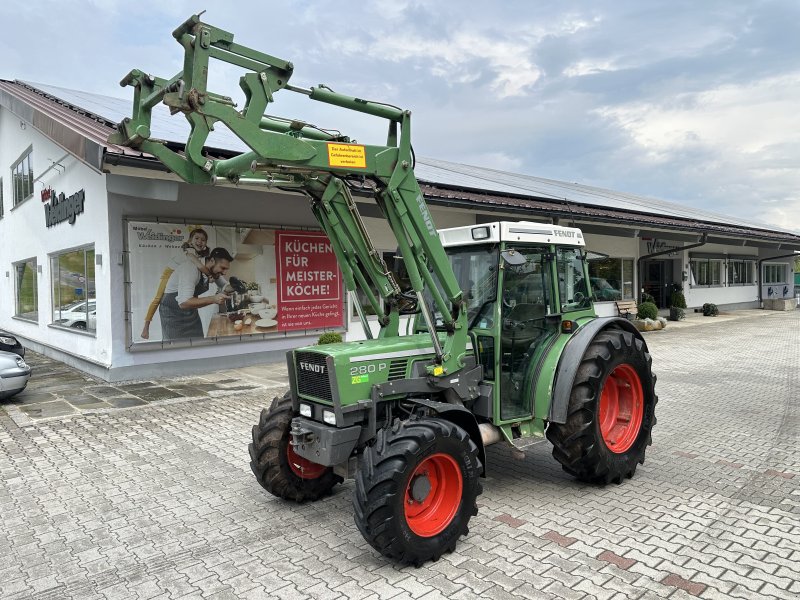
578, 297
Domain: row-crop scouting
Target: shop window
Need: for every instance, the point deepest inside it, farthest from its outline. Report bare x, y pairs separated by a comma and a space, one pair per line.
741, 272
775, 273
706, 272
611, 279
27, 300
22, 177
73, 289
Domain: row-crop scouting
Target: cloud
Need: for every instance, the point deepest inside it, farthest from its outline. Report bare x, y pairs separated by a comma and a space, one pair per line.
688, 102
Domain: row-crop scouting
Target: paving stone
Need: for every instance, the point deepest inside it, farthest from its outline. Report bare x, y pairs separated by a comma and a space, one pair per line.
157, 500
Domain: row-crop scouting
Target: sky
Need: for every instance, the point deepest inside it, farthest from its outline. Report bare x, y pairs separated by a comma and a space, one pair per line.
691, 102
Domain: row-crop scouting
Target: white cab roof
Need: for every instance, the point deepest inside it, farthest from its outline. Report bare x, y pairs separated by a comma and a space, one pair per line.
512, 231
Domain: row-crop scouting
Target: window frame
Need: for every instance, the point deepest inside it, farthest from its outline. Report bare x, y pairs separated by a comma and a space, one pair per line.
747, 267
18, 314
90, 293
2, 203
22, 183
770, 266
709, 262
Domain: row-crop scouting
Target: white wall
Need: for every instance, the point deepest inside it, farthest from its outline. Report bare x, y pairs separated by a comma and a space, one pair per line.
24, 235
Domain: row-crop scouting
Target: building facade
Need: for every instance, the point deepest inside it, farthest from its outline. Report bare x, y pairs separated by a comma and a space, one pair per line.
94, 235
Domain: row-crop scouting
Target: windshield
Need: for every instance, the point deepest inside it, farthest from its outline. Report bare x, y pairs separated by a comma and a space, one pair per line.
475, 268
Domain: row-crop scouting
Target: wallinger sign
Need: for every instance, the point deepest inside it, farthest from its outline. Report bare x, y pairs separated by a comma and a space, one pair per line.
62, 208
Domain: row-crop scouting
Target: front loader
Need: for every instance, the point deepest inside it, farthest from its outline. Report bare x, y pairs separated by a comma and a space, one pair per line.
503, 344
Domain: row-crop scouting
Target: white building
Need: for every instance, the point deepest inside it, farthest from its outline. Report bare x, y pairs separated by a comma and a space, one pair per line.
87, 229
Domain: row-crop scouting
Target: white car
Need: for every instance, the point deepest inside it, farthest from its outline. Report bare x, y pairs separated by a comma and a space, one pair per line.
76, 316
14, 374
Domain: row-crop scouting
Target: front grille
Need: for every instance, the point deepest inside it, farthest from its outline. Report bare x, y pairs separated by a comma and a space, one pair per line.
397, 368
313, 378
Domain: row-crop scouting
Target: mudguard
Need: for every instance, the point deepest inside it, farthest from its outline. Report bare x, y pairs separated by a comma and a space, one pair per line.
462, 417
571, 359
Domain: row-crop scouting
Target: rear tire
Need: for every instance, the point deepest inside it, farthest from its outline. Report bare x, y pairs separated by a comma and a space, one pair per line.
416, 490
277, 468
611, 411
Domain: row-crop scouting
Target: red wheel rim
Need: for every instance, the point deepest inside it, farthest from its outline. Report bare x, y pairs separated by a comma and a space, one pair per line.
621, 408
433, 495
302, 467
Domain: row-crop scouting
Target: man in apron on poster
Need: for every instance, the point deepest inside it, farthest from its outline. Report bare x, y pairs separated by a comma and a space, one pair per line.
183, 296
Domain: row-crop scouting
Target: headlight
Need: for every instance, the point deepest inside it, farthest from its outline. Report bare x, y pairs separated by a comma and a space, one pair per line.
329, 417
305, 410
21, 363
8, 341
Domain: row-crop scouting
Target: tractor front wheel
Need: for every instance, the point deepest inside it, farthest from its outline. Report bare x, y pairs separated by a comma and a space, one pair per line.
275, 464
611, 411
416, 489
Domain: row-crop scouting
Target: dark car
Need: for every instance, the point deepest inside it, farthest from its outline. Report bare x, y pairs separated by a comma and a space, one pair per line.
9, 343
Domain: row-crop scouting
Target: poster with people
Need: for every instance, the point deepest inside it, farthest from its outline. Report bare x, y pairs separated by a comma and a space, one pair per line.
191, 280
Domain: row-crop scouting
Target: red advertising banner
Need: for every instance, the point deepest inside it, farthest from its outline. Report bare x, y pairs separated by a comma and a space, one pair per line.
309, 282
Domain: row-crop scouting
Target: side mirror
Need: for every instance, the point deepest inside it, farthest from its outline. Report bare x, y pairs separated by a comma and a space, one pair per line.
513, 258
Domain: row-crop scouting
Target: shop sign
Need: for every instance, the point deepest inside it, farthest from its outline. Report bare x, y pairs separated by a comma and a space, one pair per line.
655, 245
60, 208
309, 286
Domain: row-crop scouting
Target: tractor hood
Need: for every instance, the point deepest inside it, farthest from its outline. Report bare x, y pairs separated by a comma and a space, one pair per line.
348, 371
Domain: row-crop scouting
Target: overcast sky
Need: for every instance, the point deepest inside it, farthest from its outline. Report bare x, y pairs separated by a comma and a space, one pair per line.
692, 102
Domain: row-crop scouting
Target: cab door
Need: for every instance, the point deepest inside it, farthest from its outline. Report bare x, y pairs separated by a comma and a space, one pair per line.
527, 299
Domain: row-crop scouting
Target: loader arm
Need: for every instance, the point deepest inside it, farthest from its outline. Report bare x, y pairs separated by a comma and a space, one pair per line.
293, 155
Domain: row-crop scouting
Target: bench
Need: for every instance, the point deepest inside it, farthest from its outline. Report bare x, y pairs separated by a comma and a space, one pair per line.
627, 308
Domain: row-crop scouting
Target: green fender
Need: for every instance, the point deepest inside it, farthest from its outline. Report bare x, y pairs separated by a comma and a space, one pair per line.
571, 359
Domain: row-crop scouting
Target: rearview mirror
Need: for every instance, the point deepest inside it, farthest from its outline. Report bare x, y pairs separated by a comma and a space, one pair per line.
513, 258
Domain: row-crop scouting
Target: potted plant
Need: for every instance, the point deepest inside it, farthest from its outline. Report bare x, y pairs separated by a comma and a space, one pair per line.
677, 308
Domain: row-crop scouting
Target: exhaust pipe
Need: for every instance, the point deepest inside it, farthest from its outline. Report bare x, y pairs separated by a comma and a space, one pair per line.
490, 434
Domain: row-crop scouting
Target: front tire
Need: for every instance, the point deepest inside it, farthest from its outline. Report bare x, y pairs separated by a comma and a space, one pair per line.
611, 411
276, 466
416, 489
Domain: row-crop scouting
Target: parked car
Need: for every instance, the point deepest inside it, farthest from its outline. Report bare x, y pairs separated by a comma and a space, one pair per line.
8, 343
75, 315
14, 374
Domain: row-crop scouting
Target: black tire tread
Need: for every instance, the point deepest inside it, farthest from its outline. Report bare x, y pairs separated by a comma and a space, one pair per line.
268, 457
578, 443
382, 477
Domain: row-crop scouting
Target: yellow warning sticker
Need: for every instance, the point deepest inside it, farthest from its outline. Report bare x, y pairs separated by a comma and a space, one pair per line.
351, 156
359, 379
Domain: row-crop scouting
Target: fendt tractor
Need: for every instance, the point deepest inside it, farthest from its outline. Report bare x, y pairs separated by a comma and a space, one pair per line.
500, 341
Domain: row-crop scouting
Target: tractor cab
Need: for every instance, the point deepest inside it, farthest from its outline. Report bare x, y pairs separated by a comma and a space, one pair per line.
520, 281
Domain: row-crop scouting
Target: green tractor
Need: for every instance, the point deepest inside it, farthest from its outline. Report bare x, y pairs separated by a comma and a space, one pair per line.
501, 342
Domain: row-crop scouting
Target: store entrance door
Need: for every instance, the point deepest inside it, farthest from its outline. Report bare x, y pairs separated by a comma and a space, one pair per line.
657, 275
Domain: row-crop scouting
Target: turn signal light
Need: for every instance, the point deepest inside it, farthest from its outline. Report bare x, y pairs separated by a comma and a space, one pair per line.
568, 326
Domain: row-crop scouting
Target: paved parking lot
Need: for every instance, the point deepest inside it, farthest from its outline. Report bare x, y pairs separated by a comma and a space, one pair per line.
157, 501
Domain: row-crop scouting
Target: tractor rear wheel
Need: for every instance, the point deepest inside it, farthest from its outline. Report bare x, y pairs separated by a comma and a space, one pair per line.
611, 411
277, 467
416, 489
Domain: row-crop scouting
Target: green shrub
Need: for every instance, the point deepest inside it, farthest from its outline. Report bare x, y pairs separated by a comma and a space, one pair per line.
647, 310
710, 310
676, 313
330, 338
677, 300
